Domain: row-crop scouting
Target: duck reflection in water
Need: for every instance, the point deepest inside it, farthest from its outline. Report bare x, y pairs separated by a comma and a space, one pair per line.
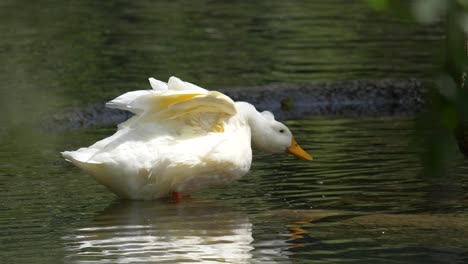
143, 231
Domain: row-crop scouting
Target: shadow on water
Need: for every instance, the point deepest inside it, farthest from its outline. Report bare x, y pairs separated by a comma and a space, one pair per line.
356, 237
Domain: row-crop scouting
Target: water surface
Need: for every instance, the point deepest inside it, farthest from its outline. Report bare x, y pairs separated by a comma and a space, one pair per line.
56, 54
363, 199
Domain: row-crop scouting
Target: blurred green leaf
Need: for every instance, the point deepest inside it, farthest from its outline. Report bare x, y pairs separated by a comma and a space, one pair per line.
463, 4
446, 86
448, 113
429, 11
380, 5
449, 117
399, 8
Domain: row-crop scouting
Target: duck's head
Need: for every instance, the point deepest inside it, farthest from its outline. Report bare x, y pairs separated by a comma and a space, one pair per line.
275, 137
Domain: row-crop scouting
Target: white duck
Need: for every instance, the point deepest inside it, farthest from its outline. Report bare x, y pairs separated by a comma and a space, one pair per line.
182, 138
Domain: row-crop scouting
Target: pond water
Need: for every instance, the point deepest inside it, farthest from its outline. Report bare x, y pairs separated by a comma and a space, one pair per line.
56, 54
362, 200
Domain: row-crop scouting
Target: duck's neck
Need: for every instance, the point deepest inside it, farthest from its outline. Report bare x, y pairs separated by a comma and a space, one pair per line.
257, 123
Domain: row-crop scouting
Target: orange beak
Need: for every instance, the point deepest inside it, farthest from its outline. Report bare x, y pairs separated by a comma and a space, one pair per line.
297, 151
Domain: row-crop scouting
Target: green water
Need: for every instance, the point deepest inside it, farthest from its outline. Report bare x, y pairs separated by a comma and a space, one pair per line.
57, 54
362, 200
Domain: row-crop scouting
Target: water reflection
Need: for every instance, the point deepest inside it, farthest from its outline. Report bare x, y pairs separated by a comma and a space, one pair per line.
139, 231
102, 49
363, 200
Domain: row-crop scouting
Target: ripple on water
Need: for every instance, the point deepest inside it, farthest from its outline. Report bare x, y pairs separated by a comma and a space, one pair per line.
363, 198
369, 167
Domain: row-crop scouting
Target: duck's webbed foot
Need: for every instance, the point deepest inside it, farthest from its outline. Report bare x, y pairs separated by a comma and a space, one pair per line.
177, 197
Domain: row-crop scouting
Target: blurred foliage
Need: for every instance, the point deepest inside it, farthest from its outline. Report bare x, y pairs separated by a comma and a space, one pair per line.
400, 8
447, 114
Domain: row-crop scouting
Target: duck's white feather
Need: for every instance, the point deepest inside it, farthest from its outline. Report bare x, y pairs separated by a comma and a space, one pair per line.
177, 84
181, 139
134, 102
157, 84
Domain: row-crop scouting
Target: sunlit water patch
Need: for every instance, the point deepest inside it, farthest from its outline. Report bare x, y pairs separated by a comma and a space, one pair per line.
362, 199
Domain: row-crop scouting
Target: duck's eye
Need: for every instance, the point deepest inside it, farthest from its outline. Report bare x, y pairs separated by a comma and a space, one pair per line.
281, 130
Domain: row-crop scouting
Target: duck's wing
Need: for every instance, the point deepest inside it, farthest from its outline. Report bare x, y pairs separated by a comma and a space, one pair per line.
182, 104
176, 100
147, 100
134, 101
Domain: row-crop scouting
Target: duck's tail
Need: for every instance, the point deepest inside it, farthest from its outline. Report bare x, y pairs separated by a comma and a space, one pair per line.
82, 158
82, 155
